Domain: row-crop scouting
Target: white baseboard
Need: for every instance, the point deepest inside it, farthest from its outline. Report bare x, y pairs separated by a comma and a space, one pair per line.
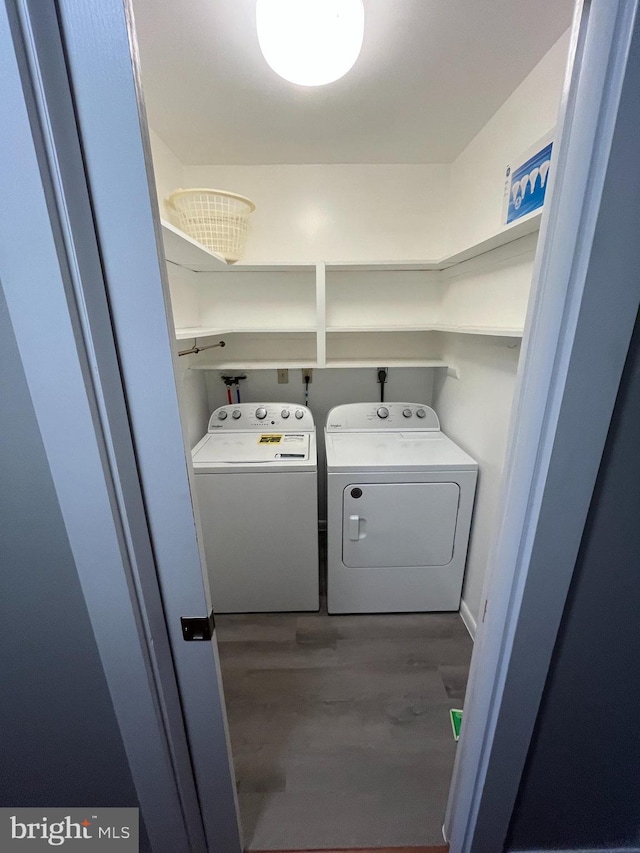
467, 617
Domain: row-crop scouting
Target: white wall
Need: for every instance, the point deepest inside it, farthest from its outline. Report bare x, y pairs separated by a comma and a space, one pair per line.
168, 171
340, 212
491, 290
329, 388
474, 411
191, 385
192, 396
477, 176
382, 212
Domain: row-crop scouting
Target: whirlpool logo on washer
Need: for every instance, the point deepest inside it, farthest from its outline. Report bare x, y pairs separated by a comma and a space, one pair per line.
72, 829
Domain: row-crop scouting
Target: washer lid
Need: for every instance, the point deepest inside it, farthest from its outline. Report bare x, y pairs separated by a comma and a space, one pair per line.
257, 451
395, 451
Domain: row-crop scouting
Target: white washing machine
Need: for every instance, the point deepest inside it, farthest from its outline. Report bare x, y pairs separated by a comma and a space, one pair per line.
400, 498
256, 483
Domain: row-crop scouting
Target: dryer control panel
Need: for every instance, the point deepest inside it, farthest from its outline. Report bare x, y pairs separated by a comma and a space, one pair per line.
246, 417
404, 417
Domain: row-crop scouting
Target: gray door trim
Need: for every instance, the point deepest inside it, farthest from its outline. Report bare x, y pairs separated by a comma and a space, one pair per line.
101, 58
73, 380
583, 306
53, 274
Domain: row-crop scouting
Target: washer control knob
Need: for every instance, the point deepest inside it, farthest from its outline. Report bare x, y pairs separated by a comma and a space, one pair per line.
285, 413
383, 412
421, 413
261, 413
299, 414
407, 413
236, 414
222, 416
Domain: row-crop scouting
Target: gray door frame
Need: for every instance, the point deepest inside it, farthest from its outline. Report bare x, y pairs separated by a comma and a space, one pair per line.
84, 287
583, 305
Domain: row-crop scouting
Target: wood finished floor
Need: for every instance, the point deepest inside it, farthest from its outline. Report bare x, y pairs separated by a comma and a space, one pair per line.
340, 728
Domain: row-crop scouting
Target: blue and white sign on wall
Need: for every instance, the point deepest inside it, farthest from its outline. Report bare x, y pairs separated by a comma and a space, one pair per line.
526, 183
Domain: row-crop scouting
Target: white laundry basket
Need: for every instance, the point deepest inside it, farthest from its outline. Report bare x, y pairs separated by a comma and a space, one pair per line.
216, 218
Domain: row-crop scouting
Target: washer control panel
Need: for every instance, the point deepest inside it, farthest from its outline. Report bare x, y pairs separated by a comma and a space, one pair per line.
403, 417
268, 417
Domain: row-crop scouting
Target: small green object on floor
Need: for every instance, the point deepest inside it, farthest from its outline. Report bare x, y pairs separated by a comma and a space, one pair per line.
456, 722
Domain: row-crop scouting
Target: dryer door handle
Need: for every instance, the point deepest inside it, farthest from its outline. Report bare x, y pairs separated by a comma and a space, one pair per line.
354, 527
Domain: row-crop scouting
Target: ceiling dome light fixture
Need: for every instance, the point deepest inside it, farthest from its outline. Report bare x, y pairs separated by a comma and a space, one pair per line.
310, 42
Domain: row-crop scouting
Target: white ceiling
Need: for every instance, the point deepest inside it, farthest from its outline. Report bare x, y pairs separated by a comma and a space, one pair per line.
430, 75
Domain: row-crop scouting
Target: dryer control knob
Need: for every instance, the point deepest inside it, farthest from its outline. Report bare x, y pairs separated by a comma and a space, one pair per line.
261, 413
236, 414
421, 413
383, 412
285, 413
222, 416
299, 414
407, 413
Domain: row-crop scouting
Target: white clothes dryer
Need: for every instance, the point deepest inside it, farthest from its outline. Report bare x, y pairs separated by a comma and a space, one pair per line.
256, 485
400, 498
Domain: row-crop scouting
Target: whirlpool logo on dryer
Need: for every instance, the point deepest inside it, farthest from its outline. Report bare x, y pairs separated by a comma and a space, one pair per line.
75, 829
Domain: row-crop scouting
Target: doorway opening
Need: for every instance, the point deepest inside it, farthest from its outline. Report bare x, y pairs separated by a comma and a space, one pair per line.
339, 724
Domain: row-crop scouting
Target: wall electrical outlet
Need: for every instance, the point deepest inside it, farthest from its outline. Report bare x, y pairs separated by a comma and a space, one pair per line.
307, 371
283, 375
